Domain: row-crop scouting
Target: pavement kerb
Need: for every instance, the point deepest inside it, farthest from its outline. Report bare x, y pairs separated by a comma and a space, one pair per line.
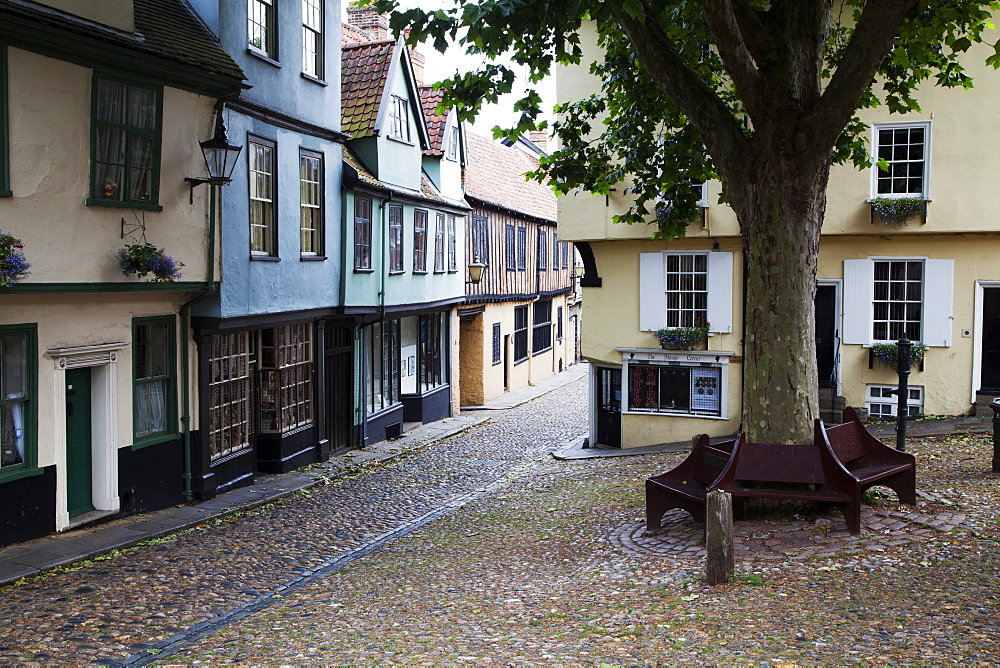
410, 442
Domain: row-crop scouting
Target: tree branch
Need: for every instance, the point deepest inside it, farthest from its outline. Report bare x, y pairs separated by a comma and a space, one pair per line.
719, 129
721, 20
879, 23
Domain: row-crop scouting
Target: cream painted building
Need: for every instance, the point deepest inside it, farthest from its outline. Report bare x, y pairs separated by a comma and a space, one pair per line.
100, 121
936, 279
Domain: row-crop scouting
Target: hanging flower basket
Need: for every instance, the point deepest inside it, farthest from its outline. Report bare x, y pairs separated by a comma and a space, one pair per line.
145, 259
683, 338
888, 353
898, 212
13, 265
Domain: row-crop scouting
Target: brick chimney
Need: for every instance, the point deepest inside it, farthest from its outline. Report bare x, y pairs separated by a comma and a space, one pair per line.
540, 138
375, 25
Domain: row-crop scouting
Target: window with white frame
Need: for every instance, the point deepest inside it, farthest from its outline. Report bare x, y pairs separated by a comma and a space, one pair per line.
312, 38
260, 27
882, 402
399, 120
898, 300
888, 298
676, 289
687, 289
905, 150
452, 153
689, 389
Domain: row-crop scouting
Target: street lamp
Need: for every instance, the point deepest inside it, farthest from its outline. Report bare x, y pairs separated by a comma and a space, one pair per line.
220, 157
476, 268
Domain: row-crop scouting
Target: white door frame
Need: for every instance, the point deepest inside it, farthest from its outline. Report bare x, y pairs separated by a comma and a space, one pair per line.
977, 335
102, 360
838, 284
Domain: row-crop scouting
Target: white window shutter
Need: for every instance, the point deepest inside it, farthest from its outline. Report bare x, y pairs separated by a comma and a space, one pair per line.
720, 292
859, 291
938, 278
652, 292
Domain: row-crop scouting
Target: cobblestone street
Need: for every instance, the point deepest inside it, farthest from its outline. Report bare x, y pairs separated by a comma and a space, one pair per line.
481, 548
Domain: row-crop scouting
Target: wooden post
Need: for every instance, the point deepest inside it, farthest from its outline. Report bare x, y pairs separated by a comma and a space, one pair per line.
719, 537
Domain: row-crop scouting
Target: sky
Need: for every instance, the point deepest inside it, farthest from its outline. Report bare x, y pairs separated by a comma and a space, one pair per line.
439, 66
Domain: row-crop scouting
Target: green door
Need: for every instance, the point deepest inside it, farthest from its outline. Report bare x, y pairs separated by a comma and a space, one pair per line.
79, 490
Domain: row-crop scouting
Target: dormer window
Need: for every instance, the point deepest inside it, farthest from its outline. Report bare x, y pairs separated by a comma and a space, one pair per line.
453, 143
399, 124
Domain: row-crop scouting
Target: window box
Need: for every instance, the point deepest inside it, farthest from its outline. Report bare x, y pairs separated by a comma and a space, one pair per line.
898, 212
887, 354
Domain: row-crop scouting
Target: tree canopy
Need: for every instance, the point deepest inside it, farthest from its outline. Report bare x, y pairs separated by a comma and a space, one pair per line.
764, 95
729, 65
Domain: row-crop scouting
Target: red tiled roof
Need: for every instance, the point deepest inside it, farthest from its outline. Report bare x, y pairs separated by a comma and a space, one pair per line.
364, 70
350, 34
429, 100
494, 174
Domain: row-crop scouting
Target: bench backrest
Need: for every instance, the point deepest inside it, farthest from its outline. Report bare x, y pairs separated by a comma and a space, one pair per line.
846, 442
709, 465
767, 462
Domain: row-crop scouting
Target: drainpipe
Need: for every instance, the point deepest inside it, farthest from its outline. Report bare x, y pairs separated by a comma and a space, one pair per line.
210, 289
385, 255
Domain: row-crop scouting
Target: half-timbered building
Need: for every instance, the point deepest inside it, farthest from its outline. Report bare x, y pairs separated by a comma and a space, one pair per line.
513, 324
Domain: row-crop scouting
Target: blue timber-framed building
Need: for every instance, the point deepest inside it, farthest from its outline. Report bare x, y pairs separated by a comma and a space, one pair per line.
274, 349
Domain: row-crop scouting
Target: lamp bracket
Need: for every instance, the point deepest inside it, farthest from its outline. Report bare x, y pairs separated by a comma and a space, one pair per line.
198, 182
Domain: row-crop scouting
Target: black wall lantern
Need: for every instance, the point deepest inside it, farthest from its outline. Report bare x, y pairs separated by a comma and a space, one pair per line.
220, 157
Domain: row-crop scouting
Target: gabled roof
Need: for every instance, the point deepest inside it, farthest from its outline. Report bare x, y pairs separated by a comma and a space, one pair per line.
355, 173
164, 29
494, 174
429, 100
363, 74
367, 73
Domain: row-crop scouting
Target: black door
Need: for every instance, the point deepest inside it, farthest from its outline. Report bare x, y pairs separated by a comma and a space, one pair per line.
826, 334
79, 458
609, 407
991, 340
337, 384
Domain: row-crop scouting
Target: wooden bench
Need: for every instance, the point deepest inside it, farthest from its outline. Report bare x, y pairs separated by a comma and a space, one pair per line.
766, 470
686, 485
870, 461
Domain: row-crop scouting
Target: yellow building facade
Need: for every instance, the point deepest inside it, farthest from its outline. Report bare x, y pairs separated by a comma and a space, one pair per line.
935, 278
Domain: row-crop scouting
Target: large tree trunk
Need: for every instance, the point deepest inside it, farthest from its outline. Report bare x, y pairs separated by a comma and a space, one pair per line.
780, 201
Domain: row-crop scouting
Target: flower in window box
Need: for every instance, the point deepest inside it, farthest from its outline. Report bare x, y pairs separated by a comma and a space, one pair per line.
888, 354
13, 265
143, 259
897, 212
684, 338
